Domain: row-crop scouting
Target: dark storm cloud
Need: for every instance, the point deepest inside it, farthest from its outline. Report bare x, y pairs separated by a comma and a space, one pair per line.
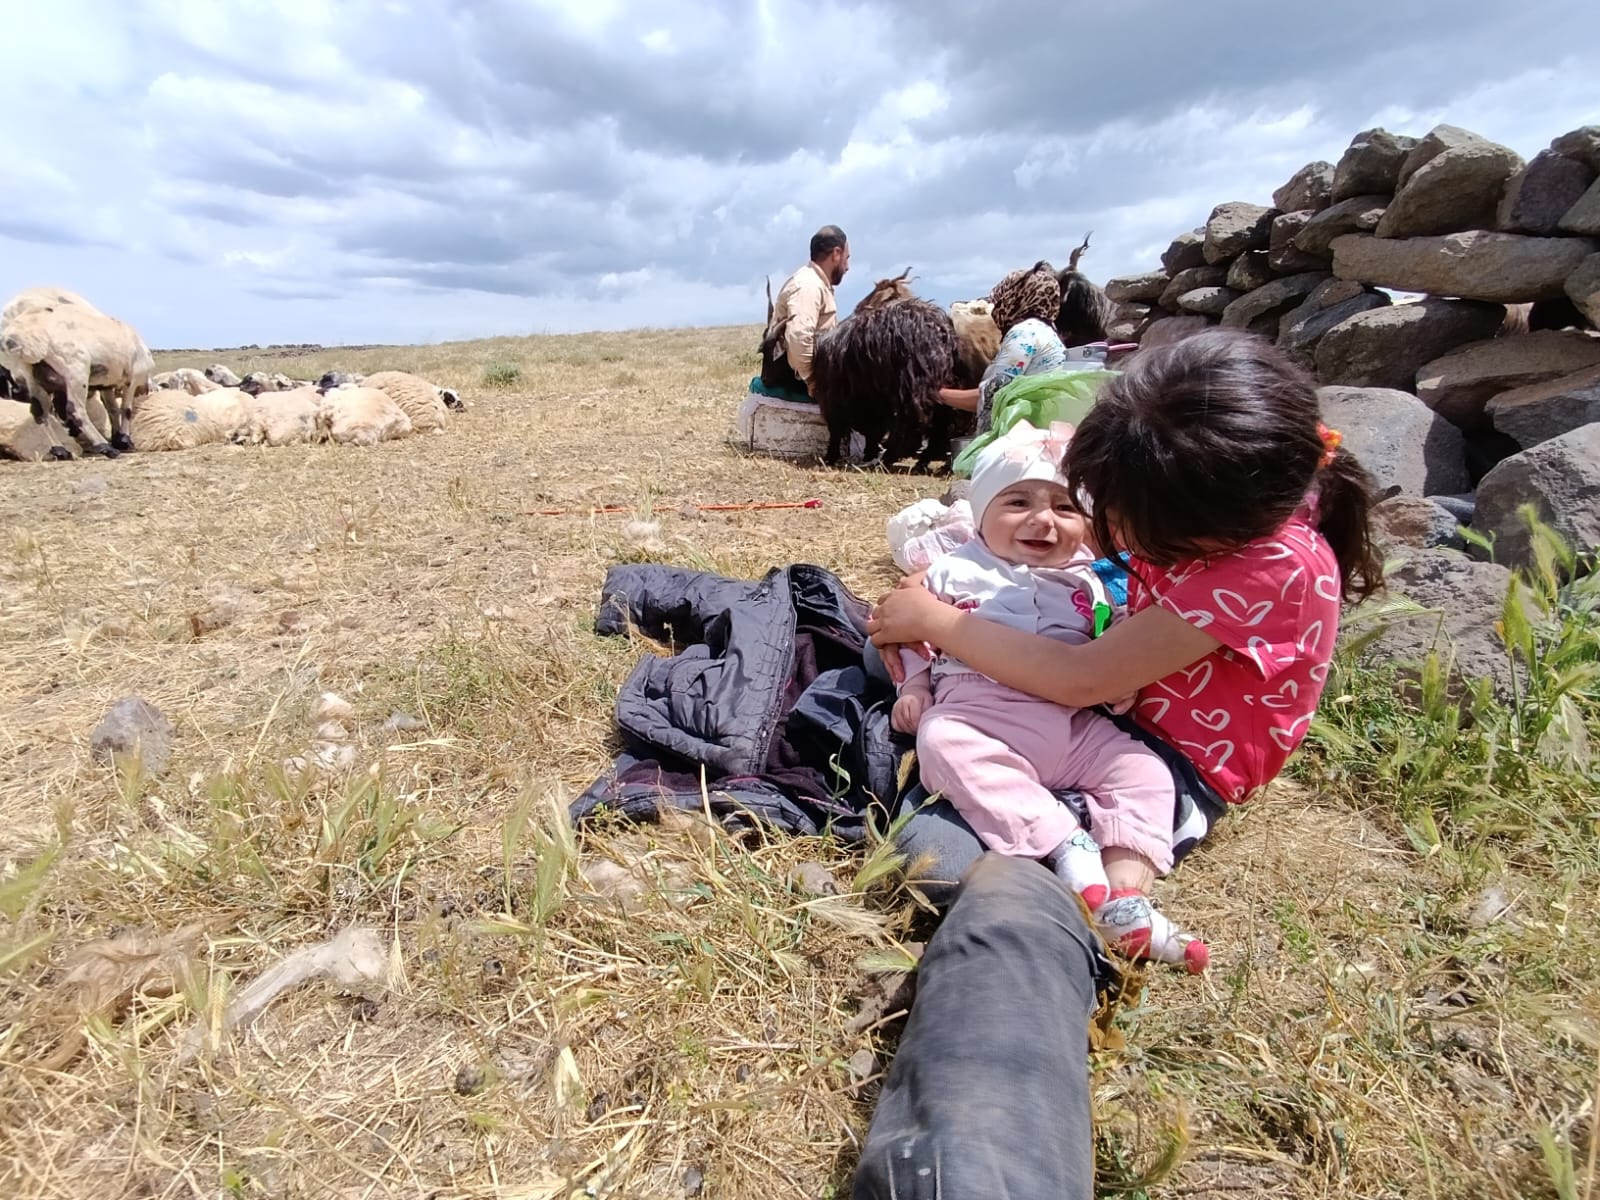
1081, 66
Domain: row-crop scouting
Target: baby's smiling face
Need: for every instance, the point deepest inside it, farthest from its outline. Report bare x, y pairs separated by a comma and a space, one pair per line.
1035, 524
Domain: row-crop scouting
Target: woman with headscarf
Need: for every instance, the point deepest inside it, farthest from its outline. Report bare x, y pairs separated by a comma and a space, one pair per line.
1024, 306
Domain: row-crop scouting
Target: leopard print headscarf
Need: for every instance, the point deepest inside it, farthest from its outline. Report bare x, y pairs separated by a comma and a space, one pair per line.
1030, 292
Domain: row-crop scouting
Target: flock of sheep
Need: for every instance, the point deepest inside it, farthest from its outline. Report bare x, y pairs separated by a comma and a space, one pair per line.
64, 359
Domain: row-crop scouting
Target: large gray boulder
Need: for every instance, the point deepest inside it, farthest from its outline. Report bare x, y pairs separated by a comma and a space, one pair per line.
1505, 267
1560, 478
1187, 250
1286, 258
1582, 145
1236, 227
1371, 164
1451, 181
1462, 602
1134, 289
1459, 385
1440, 140
1311, 187
1417, 522
1398, 440
1169, 330
1385, 347
1262, 308
1542, 411
1250, 271
1359, 214
1333, 291
1541, 193
1208, 301
1302, 328
1583, 217
1583, 288
1187, 281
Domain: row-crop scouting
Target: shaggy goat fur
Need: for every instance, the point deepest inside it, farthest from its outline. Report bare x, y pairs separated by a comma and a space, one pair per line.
878, 372
1086, 312
977, 342
58, 347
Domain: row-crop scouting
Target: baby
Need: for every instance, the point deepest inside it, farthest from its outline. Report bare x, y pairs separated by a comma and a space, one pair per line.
998, 754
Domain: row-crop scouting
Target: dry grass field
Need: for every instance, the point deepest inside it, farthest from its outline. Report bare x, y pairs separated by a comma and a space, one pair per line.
1389, 1014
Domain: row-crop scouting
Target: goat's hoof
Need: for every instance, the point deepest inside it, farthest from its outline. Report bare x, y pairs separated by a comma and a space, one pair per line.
60, 453
122, 441
106, 450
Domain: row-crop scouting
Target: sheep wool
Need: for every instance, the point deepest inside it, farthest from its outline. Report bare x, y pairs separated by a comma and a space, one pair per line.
361, 416
174, 420
183, 379
284, 418
422, 401
58, 346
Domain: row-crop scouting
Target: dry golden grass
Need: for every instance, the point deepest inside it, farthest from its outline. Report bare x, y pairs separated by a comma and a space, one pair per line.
543, 1038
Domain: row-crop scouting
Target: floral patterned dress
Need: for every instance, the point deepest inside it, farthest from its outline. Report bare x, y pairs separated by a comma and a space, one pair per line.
1030, 347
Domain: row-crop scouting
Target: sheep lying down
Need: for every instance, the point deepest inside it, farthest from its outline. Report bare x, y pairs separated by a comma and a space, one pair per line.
172, 419
284, 418
361, 416
175, 420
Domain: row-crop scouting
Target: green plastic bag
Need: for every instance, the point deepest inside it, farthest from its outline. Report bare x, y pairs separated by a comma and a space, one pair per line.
1038, 400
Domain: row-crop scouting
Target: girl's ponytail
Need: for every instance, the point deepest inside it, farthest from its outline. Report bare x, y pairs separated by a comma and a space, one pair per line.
1344, 508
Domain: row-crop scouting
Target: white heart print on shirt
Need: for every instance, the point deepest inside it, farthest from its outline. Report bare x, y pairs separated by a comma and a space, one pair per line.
1285, 738
1237, 609
1201, 671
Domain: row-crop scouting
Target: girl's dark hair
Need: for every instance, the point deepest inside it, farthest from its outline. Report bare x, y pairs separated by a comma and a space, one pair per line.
1213, 442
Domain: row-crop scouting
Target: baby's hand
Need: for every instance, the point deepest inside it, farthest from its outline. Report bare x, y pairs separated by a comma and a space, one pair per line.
908, 710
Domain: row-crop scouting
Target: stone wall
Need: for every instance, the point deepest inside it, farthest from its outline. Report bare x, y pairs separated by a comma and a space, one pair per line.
1478, 395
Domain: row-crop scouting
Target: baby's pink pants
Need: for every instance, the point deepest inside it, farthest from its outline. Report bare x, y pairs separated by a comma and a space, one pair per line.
996, 754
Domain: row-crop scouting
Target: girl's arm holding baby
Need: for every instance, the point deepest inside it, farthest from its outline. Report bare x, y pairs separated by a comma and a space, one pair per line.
1148, 646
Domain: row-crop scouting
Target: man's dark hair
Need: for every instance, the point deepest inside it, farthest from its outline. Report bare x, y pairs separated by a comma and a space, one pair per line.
825, 241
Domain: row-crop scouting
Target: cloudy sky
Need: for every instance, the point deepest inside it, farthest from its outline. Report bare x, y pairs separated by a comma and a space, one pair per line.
229, 171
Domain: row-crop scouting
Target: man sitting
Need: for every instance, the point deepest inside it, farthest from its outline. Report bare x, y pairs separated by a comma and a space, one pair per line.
805, 308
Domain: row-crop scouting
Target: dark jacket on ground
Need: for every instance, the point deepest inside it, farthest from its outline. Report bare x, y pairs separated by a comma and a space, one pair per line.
767, 691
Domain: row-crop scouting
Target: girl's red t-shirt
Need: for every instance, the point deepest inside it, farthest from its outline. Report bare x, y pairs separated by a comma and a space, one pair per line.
1238, 713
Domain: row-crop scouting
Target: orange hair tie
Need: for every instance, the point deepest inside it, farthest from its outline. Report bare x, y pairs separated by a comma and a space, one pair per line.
1332, 439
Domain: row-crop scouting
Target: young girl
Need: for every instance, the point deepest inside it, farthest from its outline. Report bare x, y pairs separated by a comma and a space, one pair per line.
996, 753
1245, 525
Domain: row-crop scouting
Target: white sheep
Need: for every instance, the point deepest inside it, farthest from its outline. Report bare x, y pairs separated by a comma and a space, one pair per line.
220, 374
264, 381
183, 379
423, 402
360, 416
174, 420
285, 418
58, 346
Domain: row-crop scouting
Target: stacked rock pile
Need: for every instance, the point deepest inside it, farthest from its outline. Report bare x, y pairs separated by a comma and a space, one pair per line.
1445, 293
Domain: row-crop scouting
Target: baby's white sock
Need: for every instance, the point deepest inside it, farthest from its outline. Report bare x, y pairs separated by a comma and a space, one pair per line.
1076, 862
1130, 920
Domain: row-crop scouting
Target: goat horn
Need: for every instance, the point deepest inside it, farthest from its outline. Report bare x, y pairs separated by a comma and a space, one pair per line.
1072, 263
